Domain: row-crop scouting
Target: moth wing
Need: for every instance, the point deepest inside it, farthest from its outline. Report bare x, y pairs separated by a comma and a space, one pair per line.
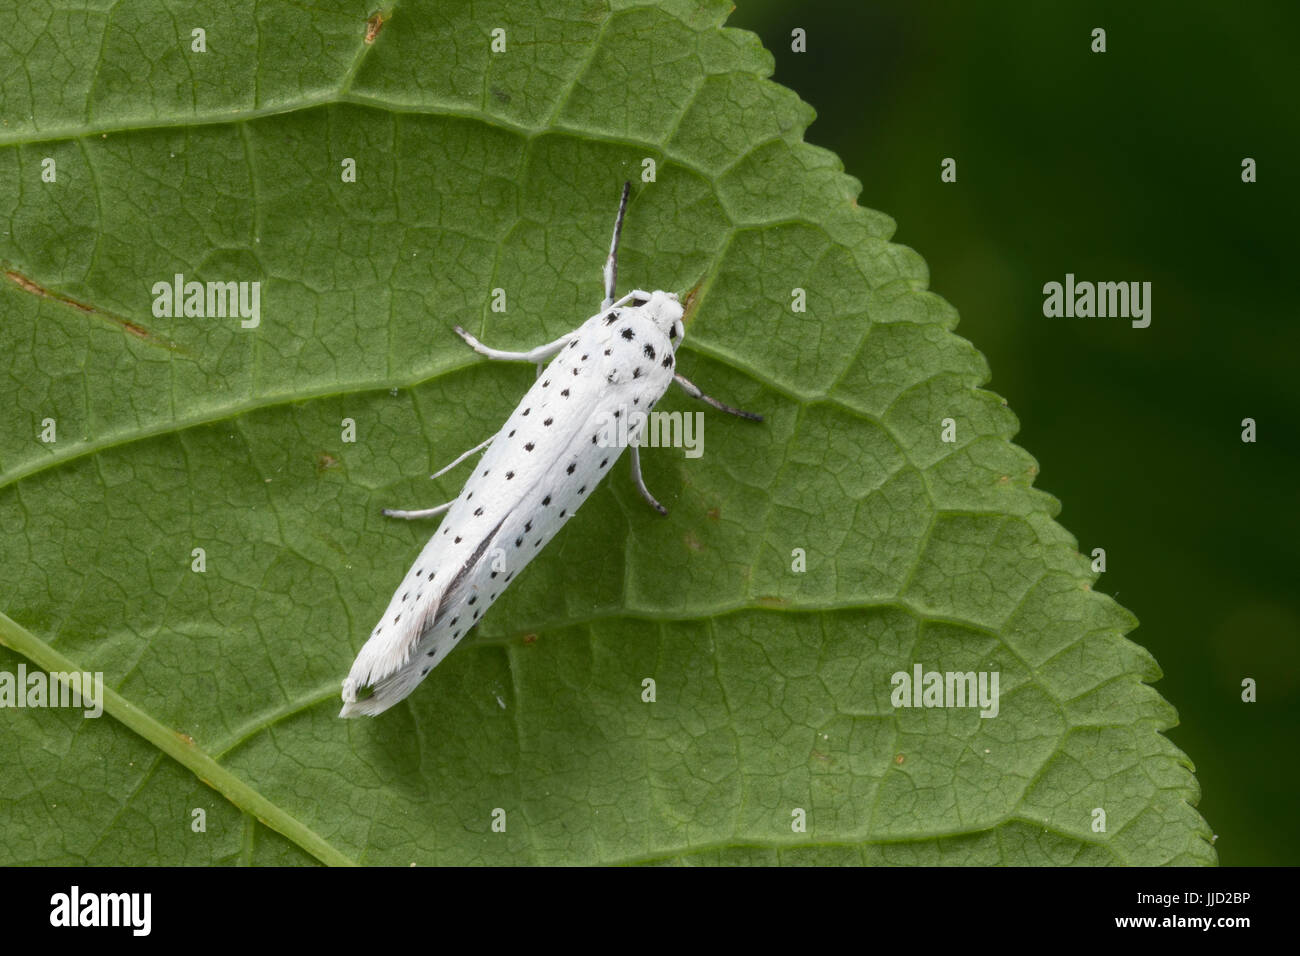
386, 663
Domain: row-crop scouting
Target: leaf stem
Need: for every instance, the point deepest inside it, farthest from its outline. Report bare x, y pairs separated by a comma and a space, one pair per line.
180, 748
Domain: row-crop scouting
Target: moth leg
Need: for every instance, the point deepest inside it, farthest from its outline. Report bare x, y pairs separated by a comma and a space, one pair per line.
425, 513
472, 451
538, 355
693, 390
433, 512
640, 482
611, 261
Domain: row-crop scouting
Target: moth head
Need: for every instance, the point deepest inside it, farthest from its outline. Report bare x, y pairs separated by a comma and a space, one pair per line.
664, 309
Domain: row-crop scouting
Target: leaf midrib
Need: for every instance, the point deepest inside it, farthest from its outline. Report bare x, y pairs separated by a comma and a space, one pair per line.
58, 457
188, 755
438, 110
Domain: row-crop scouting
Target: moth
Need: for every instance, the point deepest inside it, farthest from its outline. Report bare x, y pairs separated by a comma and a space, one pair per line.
536, 472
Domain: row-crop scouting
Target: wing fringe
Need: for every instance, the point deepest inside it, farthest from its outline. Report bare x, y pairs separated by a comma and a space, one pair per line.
388, 665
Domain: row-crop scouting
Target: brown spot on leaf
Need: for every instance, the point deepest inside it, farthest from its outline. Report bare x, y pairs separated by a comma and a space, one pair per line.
690, 302
25, 283
126, 325
374, 25
769, 600
714, 514
325, 461
899, 759
530, 638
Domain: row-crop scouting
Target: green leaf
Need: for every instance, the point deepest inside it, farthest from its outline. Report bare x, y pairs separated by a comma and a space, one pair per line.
481, 170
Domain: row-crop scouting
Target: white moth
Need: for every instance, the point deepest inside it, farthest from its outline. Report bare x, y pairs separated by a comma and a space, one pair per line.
540, 467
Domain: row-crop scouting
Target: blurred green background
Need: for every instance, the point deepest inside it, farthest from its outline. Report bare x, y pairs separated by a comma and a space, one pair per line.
1122, 166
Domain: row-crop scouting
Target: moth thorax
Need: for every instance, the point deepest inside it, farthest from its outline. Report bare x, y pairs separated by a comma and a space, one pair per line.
664, 309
